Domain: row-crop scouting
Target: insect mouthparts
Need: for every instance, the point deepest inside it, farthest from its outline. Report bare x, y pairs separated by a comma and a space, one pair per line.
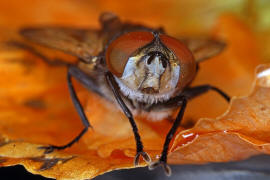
138, 68
149, 90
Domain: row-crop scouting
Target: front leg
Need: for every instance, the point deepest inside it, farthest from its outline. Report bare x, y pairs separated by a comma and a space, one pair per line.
181, 100
112, 83
163, 159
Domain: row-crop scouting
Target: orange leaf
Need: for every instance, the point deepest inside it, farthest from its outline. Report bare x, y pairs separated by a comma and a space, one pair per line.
35, 108
240, 133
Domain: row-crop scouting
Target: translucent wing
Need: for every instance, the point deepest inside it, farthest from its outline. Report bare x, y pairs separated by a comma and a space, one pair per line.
78, 42
203, 49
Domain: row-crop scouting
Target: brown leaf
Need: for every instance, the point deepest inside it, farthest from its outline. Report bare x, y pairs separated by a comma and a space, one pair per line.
35, 108
240, 133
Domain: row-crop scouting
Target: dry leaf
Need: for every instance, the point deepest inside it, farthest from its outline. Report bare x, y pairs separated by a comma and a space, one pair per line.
240, 133
35, 108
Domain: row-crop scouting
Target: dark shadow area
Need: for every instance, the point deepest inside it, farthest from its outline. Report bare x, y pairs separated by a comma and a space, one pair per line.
254, 168
18, 172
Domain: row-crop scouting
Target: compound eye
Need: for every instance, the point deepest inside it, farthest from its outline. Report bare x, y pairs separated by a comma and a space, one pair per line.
122, 48
185, 58
179, 49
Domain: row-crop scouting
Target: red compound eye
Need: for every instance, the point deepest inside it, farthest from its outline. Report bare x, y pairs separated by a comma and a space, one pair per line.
121, 48
178, 48
185, 57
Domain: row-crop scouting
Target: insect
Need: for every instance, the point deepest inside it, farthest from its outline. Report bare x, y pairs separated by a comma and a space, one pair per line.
142, 69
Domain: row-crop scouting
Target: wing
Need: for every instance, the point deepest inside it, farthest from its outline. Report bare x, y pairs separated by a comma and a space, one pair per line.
203, 49
78, 42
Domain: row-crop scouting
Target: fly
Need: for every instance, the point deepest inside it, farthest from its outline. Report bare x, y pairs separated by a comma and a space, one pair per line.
144, 70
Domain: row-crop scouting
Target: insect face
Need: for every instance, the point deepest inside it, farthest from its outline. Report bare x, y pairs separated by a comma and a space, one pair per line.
150, 67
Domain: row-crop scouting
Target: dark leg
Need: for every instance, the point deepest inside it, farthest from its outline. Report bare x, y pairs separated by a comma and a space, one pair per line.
163, 159
79, 75
85, 79
189, 93
111, 81
181, 100
79, 108
198, 90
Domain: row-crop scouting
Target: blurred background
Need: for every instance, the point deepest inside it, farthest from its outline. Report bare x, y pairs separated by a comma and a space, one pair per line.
178, 17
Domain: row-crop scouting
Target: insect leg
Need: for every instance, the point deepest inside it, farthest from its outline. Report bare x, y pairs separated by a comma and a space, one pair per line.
182, 99
198, 90
79, 108
163, 159
189, 93
85, 79
111, 81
